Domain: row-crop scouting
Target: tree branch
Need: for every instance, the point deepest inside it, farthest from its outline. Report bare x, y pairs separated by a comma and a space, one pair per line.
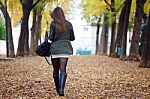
21, 2
107, 3
2, 8
0, 3
35, 4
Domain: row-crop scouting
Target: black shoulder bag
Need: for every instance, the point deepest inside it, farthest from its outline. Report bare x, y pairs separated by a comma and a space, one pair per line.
43, 49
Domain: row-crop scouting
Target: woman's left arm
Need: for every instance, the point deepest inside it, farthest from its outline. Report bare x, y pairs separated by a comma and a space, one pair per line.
52, 32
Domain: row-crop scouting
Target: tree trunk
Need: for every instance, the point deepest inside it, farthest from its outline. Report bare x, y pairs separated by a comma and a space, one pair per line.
125, 29
97, 36
145, 59
104, 36
113, 30
39, 21
120, 29
23, 46
10, 37
36, 31
134, 49
33, 34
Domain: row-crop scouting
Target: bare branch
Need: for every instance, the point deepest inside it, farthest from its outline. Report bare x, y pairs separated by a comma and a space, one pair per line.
35, 3
107, 3
0, 3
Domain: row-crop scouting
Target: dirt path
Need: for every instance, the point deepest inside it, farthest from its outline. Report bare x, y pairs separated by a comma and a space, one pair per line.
89, 77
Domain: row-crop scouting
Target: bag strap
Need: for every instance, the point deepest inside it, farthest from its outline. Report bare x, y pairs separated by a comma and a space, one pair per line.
47, 61
46, 40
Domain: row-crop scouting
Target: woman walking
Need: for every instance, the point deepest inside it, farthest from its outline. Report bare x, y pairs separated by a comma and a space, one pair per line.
61, 33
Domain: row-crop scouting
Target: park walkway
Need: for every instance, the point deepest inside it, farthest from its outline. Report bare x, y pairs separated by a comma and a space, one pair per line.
89, 77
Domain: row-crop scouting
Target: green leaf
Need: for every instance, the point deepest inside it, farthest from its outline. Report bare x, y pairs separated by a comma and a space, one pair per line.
2, 32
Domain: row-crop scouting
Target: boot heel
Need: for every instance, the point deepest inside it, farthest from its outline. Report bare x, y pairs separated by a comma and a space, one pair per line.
61, 92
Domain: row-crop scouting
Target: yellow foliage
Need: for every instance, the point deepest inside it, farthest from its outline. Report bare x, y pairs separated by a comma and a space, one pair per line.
64, 4
133, 6
15, 11
94, 7
46, 20
147, 7
2, 1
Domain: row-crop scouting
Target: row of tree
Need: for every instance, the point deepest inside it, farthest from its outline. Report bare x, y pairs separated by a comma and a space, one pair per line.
129, 14
19, 11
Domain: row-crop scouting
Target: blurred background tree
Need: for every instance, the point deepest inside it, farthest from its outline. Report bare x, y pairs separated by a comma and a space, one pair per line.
8, 25
92, 13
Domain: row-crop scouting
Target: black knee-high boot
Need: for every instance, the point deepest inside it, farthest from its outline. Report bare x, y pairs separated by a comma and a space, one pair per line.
62, 82
56, 80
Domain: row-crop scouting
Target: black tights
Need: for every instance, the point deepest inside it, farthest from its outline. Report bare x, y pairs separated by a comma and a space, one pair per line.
59, 64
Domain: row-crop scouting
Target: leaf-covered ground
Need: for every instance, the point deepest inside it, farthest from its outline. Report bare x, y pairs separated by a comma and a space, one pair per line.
89, 77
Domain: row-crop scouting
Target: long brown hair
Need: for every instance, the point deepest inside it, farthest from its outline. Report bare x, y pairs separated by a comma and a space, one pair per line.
60, 20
